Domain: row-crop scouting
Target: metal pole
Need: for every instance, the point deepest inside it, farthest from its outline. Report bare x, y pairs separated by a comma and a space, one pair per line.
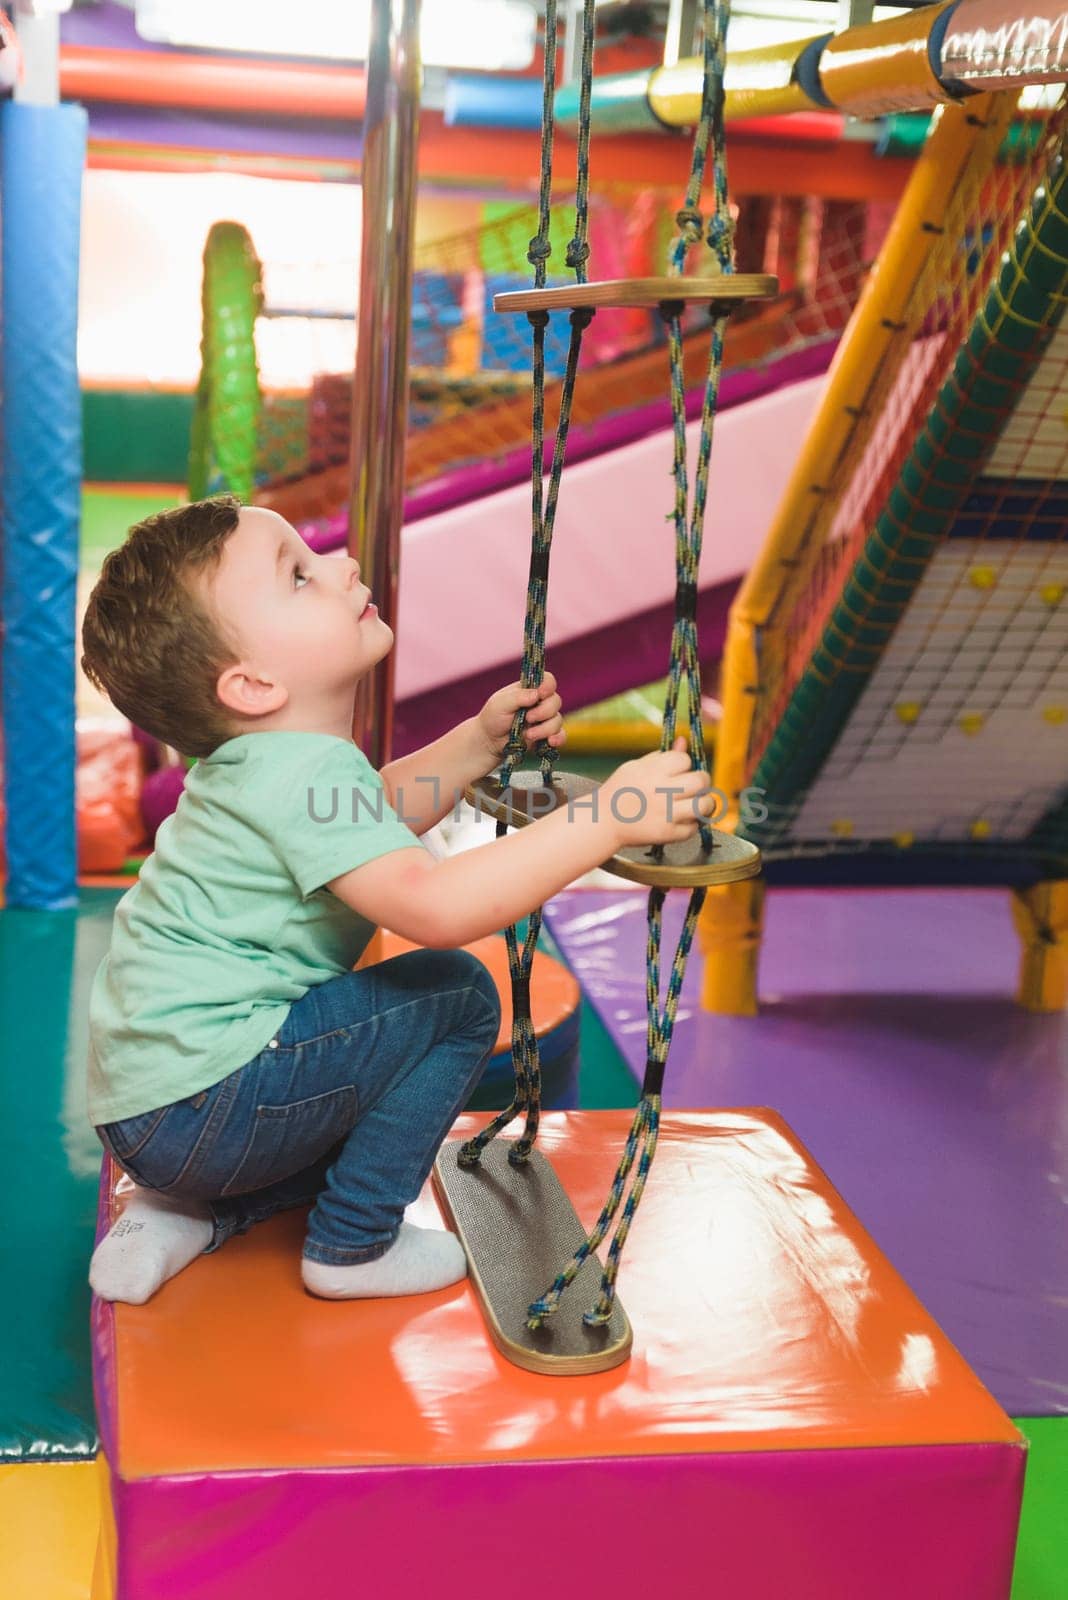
38, 35
569, 70
680, 35
854, 14
380, 397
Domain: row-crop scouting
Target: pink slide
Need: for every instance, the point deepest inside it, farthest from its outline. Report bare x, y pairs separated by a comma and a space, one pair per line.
463, 578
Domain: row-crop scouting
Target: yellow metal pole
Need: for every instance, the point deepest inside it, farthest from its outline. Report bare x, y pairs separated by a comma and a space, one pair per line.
728, 935
757, 83
1041, 917
865, 71
905, 63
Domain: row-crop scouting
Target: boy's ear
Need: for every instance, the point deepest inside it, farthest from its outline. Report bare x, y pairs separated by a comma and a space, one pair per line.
241, 688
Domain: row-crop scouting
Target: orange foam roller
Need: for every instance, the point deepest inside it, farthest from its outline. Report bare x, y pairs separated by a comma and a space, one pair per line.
554, 991
884, 66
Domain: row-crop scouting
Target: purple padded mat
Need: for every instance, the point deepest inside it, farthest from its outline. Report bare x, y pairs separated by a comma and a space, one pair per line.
889, 1040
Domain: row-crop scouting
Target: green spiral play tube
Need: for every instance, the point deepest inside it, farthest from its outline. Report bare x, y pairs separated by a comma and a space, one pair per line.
226, 419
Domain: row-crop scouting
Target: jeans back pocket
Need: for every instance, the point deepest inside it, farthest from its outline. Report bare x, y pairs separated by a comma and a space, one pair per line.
126, 1138
286, 1139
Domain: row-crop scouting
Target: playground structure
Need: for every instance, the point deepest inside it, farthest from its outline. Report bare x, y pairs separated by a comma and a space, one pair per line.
989, 1569
894, 678
935, 55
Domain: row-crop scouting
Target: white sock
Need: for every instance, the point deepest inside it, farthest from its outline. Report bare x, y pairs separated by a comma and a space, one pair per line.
418, 1260
153, 1239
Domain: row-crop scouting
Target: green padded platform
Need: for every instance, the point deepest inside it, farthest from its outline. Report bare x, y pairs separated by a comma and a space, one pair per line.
50, 1164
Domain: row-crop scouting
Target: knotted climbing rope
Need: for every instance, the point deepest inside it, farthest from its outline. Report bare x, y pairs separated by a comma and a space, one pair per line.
545, 497
640, 1147
641, 1141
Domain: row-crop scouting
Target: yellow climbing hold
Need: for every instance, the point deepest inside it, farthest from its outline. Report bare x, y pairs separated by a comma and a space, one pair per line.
842, 827
971, 721
980, 829
908, 710
903, 840
1055, 715
1052, 593
983, 577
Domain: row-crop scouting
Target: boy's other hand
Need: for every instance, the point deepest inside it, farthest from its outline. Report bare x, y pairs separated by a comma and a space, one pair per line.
543, 719
673, 797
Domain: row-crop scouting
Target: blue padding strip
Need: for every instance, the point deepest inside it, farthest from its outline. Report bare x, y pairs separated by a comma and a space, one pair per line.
481, 102
935, 40
1013, 509
42, 155
806, 72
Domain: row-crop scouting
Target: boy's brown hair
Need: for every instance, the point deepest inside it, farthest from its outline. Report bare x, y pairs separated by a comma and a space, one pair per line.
148, 642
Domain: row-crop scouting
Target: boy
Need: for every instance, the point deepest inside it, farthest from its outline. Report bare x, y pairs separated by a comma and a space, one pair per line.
238, 1065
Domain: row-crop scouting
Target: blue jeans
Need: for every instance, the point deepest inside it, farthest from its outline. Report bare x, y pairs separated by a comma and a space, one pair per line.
347, 1107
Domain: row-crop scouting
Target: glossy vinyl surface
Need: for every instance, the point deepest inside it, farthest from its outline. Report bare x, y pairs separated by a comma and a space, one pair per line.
904, 1523
764, 1318
889, 1039
50, 1159
883, 66
36, 1500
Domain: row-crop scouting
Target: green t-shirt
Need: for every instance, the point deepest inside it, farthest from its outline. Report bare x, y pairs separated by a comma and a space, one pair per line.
229, 922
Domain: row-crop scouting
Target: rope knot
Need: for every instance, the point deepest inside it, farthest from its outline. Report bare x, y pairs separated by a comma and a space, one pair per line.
721, 237
539, 249
538, 319
578, 253
690, 221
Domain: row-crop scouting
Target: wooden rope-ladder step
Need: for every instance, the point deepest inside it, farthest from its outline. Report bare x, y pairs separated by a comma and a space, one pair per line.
725, 292
687, 864
517, 1226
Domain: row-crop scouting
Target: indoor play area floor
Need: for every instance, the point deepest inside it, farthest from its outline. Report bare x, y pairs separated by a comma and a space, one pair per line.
888, 1040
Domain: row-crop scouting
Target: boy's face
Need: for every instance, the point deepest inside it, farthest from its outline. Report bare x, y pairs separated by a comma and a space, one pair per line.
301, 622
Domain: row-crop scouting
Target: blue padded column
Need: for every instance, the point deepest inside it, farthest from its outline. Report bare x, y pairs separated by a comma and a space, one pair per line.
42, 154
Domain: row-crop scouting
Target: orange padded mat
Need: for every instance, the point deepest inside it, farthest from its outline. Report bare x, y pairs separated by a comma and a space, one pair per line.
554, 990
764, 1318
